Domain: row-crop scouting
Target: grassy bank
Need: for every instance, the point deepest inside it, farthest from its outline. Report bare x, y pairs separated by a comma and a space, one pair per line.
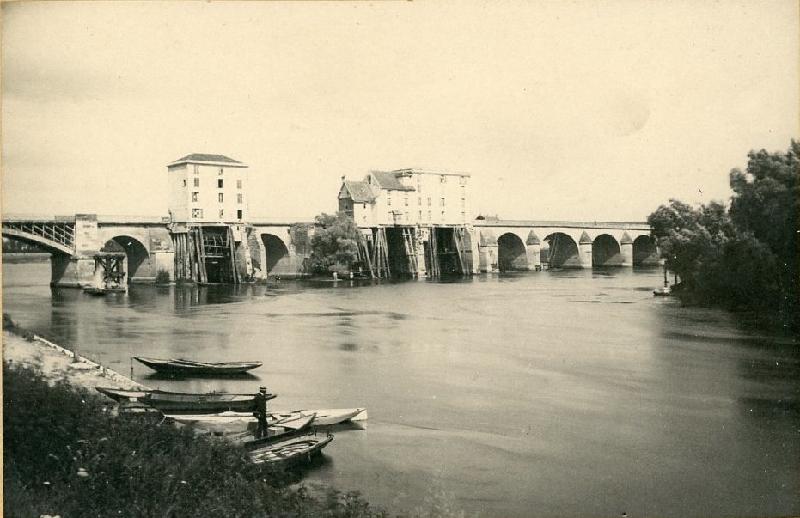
65, 454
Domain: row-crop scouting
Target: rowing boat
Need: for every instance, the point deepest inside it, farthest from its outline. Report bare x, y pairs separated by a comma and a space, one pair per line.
230, 422
193, 368
210, 402
282, 454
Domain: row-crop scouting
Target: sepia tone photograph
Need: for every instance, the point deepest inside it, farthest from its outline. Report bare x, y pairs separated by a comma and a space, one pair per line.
401, 259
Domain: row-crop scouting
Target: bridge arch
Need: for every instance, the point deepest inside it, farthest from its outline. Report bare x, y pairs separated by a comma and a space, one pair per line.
561, 251
278, 258
645, 252
137, 258
46, 244
511, 254
606, 251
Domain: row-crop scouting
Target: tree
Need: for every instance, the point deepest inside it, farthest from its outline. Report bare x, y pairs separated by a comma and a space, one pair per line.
334, 244
766, 203
744, 257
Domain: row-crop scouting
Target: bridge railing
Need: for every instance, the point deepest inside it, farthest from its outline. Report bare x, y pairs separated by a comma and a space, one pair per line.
62, 233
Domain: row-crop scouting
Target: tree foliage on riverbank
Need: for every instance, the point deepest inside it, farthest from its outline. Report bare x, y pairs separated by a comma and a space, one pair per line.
744, 256
335, 243
65, 455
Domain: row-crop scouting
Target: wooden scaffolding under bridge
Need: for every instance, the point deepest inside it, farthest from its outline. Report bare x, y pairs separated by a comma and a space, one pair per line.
113, 271
380, 252
364, 255
409, 243
458, 240
433, 254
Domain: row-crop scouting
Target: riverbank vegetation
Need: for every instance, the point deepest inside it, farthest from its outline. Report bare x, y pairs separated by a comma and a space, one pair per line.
741, 256
64, 454
334, 245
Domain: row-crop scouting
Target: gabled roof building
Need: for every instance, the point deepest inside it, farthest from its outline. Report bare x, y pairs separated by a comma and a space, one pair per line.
407, 197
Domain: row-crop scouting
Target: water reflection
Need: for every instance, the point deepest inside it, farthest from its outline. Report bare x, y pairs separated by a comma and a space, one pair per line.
565, 392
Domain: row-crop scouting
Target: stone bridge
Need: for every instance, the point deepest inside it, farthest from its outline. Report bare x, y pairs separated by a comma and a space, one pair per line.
147, 242
270, 247
531, 245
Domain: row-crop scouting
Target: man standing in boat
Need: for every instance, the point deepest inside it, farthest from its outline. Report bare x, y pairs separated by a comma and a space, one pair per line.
261, 412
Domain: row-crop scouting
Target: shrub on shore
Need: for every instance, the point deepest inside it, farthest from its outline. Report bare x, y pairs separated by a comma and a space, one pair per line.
65, 454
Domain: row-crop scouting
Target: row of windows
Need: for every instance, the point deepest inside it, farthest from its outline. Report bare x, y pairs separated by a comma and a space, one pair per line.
196, 170
220, 197
198, 214
419, 201
430, 215
220, 183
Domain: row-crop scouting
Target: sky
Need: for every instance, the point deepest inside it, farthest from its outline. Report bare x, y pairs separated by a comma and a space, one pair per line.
583, 111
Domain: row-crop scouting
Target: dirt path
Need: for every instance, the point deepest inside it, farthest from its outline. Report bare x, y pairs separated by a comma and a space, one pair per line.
57, 363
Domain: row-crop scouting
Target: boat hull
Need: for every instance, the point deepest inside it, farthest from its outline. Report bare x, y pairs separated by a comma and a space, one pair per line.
191, 368
208, 403
290, 452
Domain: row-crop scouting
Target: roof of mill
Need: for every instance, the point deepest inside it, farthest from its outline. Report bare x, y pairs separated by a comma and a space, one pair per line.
389, 180
360, 191
202, 157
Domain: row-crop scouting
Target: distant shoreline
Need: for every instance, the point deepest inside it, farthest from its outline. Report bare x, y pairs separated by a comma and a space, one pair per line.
25, 257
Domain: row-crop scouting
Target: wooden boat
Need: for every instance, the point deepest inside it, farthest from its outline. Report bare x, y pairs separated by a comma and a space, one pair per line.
122, 394
189, 367
231, 422
285, 453
210, 402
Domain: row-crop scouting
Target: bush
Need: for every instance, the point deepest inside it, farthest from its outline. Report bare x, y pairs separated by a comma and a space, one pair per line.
65, 454
162, 277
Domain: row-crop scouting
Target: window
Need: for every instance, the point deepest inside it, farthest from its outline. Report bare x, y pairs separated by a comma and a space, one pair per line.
239, 198
442, 202
389, 200
420, 215
462, 180
406, 216
405, 200
238, 184
221, 213
363, 205
419, 201
239, 214
429, 215
463, 202
442, 214
184, 182
197, 182
219, 183
443, 179
220, 171
194, 196
197, 213
196, 169
429, 201
220, 197
463, 216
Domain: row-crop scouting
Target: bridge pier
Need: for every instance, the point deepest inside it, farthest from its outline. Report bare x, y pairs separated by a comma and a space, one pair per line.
488, 258
585, 251
626, 250
72, 271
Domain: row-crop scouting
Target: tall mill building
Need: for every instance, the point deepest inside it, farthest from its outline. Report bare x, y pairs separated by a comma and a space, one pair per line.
207, 189
208, 215
412, 221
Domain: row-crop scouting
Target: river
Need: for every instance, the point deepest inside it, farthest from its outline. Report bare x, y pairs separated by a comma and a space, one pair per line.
571, 393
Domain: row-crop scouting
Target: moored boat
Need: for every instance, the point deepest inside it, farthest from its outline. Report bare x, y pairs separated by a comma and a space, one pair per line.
233, 423
285, 453
230, 422
189, 367
211, 402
